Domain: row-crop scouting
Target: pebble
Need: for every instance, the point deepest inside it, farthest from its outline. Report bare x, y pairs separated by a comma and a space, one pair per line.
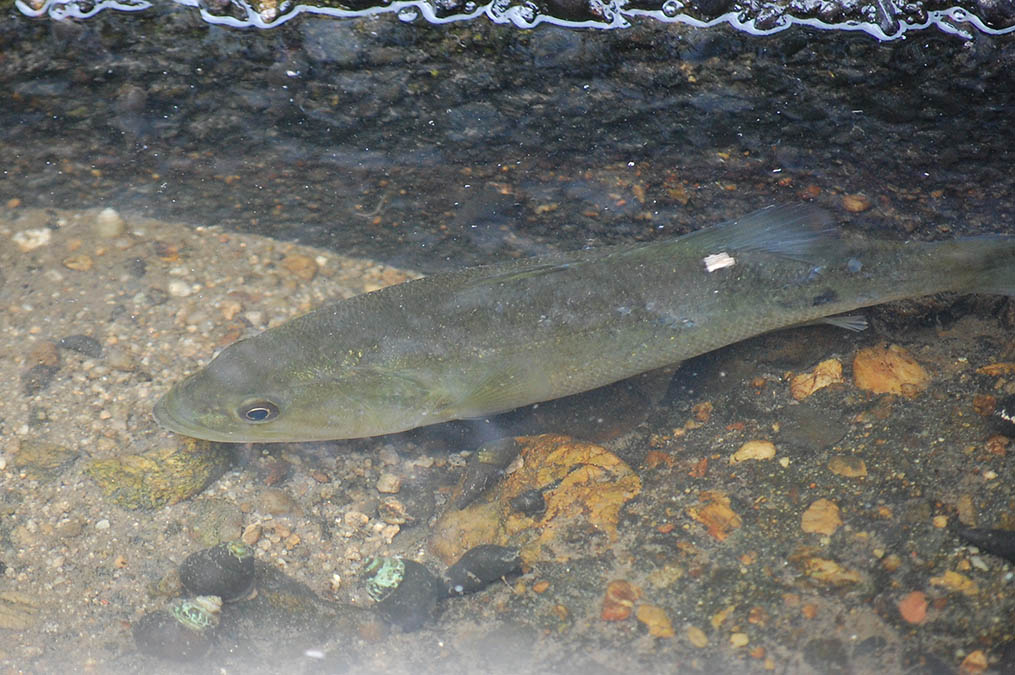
29, 240
656, 620
278, 502
120, 359
847, 466
302, 266
179, 289
83, 344
821, 517
389, 483
696, 636
889, 370
913, 607
44, 353
856, 203
37, 378
757, 450
619, 600
109, 223
78, 263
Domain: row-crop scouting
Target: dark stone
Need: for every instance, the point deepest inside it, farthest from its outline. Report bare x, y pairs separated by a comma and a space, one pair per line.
37, 378
83, 344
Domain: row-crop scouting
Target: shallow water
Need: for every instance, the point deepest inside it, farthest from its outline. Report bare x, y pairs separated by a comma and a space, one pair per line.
392, 147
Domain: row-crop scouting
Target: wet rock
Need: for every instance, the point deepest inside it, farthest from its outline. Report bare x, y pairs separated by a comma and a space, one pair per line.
154, 479
584, 485
42, 461
826, 655
109, 224
83, 344
530, 503
278, 502
18, 611
889, 370
214, 520
37, 378
44, 353
810, 428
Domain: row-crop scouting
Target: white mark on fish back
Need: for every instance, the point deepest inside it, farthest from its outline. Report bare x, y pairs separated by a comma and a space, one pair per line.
718, 261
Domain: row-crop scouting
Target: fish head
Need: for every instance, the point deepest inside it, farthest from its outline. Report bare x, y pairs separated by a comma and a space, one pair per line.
246, 396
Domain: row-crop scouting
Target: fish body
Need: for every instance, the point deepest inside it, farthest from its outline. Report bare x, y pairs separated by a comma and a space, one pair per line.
488, 339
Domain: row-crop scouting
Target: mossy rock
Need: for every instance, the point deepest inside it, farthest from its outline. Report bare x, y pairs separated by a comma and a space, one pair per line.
161, 477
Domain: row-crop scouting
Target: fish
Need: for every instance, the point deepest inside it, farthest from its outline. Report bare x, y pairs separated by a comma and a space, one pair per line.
484, 340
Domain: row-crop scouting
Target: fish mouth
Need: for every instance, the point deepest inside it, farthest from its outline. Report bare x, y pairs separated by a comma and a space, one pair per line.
167, 418
168, 415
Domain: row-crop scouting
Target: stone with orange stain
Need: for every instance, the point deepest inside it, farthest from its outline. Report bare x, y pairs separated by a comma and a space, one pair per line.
696, 636
847, 466
619, 599
583, 485
996, 369
656, 458
954, 581
889, 370
656, 620
715, 514
830, 572
756, 450
824, 374
974, 663
821, 517
913, 607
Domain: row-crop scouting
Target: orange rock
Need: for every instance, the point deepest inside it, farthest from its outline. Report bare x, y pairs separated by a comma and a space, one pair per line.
757, 450
913, 607
584, 486
825, 373
984, 404
618, 602
716, 514
996, 369
847, 466
696, 636
889, 370
830, 572
856, 203
954, 581
974, 663
301, 265
656, 620
821, 517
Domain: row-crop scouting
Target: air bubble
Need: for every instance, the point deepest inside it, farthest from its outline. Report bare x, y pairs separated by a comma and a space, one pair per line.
672, 7
408, 14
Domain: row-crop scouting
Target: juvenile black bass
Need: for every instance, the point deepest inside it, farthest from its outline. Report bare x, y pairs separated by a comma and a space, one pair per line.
488, 339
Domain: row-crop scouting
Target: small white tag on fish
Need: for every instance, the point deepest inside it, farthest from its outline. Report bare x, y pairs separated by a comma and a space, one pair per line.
717, 261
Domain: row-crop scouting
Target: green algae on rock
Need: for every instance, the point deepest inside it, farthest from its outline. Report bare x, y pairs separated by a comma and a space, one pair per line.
158, 478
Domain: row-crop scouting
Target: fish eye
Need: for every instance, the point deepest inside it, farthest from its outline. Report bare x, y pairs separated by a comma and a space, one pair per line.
258, 411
